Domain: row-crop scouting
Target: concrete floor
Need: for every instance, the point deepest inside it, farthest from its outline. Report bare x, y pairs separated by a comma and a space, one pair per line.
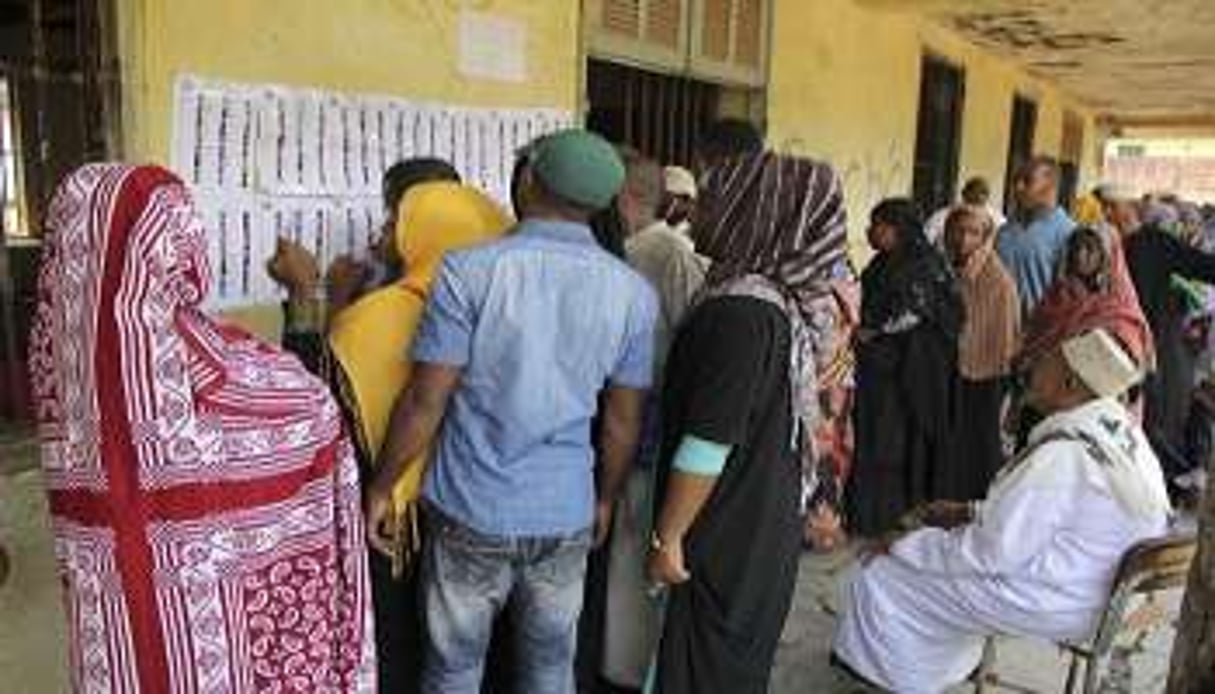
32, 649
1023, 666
32, 652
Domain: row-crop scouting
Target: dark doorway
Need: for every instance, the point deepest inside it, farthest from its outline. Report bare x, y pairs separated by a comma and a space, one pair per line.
1020, 142
60, 60
660, 115
1069, 181
59, 79
938, 133
1071, 153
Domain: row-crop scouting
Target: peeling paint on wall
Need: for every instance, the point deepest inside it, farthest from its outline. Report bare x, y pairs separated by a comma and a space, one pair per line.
867, 178
1024, 29
1128, 57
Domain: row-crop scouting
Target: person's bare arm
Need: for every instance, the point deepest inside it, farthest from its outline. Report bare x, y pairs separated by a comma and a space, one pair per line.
694, 473
686, 495
345, 281
618, 437
416, 417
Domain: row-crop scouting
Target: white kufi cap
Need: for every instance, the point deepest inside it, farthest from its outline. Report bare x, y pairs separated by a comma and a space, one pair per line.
1104, 366
679, 181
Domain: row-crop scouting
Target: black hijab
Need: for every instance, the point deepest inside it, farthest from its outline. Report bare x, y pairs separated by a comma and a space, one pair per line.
914, 278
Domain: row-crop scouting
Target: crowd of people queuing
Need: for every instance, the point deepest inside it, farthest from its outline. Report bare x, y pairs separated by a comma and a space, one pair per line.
581, 444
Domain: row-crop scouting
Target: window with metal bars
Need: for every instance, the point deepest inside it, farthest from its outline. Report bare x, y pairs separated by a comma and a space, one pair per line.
59, 108
938, 133
1020, 143
1071, 154
662, 116
60, 61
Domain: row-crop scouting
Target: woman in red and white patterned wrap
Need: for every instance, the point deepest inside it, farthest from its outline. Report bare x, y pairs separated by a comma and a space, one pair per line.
204, 497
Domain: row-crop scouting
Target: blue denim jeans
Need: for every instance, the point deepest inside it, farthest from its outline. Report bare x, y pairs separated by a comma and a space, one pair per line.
468, 577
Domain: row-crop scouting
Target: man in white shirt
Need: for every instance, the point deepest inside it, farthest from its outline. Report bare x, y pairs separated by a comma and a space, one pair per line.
976, 192
679, 198
667, 259
662, 253
1037, 557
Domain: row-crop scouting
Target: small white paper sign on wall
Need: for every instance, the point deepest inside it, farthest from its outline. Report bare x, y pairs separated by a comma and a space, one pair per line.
493, 47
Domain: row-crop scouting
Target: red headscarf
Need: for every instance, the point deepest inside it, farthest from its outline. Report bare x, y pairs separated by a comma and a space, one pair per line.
1070, 309
205, 500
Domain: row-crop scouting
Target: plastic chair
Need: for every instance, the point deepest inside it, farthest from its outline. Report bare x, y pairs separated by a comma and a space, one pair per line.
1148, 568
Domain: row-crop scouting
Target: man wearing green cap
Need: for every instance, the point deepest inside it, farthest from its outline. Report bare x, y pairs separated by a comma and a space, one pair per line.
519, 339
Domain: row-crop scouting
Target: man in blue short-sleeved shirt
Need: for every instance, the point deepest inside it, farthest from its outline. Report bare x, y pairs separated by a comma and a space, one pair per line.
519, 339
1031, 242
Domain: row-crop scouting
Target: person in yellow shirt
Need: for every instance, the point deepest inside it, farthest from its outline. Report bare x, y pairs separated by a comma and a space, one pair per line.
366, 360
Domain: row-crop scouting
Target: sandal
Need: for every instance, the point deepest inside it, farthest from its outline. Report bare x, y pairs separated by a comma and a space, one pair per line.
823, 531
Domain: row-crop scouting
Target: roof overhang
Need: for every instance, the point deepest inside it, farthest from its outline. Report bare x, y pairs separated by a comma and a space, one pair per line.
1134, 63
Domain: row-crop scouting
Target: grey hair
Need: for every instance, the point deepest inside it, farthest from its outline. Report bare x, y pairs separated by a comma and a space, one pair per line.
643, 179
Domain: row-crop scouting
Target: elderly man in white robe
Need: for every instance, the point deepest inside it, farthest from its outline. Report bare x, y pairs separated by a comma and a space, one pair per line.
1036, 558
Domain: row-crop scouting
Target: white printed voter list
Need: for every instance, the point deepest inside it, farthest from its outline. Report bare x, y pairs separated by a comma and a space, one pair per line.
264, 160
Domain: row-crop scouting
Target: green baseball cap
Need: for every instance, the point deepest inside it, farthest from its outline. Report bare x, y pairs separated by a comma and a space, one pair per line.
579, 167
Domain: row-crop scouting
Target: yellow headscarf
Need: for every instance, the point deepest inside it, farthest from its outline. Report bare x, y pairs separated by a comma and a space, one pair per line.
1087, 210
371, 338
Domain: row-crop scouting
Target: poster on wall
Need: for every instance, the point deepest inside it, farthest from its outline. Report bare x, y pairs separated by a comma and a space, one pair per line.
493, 47
267, 160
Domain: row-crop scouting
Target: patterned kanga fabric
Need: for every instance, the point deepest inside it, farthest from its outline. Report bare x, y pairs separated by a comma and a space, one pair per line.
205, 501
775, 227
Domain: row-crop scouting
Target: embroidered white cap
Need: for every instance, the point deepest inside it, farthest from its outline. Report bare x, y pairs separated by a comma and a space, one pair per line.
1103, 365
679, 181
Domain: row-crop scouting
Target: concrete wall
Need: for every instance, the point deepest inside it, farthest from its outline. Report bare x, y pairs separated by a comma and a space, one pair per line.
844, 86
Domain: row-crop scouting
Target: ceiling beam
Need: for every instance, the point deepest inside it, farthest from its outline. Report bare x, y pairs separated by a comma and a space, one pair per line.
1173, 125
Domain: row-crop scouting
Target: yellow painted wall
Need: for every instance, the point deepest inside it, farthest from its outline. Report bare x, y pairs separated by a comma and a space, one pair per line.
844, 86
400, 47
844, 81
